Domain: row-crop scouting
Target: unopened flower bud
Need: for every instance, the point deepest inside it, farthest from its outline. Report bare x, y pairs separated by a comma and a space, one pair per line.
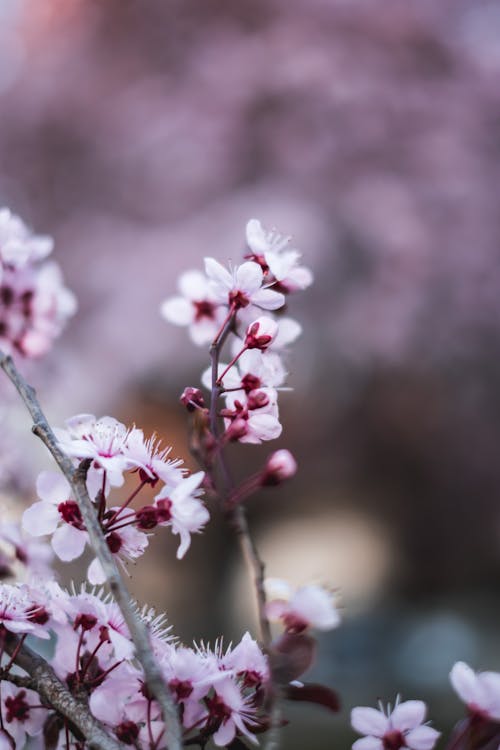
280, 466
236, 430
261, 333
192, 398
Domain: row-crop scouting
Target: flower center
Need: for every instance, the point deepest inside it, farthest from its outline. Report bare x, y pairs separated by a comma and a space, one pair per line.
70, 513
17, 708
204, 309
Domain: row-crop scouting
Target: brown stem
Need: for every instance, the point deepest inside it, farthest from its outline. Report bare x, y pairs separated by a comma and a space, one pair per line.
77, 480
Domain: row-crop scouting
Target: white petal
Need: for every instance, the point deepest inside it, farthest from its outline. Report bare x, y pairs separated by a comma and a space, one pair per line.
40, 518
225, 734
256, 237
203, 331
368, 743
218, 273
422, 738
289, 332
466, 683
68, 542
367, 720
265, 426
249, 277
52, 487
268, 299
177, 310
95, 573
194, 285
408, 715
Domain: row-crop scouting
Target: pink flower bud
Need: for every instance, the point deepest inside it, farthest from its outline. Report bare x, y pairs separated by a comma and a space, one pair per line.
192, 398
261, 333
280, 466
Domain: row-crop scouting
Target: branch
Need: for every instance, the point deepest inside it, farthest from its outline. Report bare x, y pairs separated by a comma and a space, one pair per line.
54, 694
237, 520
77, 480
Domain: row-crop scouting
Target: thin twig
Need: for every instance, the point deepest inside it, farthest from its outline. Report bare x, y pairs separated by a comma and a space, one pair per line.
237, 520
77, 480
54, 694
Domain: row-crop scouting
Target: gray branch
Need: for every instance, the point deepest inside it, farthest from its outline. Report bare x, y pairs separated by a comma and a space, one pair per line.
76, 478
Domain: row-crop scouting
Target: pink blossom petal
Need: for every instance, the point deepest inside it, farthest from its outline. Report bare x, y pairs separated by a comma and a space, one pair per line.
95, 573
193, 285
268, 299
466, 683
249, 277
218, 273
367, 720
256, 237
52, 487
422, 738
225, 734
490, 682
177, 310
368, 743
408, 715
40, 518
68, 542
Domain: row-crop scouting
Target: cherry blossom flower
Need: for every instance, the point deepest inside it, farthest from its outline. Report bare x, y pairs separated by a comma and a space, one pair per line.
198, 308
150, 460
272, 251
126, 544
253, 370
247, 661
182, 510
401, 728
242, 287
22, 713
58, 514
18, 611
254, 419
189, 675
101, 440
231, 711
307, 606
480, 691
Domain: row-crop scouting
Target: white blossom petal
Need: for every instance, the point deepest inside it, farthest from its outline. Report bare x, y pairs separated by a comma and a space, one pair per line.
408, 715
367, 720
422, 738
68, 542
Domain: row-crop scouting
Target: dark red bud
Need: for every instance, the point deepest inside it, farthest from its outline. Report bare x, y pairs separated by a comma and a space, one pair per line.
192, 398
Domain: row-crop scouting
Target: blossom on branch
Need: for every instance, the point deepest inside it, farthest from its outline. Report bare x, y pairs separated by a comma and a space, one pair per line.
391, 730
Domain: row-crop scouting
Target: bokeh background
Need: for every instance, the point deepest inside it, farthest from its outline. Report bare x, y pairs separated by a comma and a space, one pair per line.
143, 134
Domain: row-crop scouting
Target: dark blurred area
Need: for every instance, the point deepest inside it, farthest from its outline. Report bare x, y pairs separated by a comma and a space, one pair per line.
143, 135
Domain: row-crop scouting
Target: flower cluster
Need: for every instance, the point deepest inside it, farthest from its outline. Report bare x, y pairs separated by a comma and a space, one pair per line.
113, 452
34, 304
222, 303
219, 693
